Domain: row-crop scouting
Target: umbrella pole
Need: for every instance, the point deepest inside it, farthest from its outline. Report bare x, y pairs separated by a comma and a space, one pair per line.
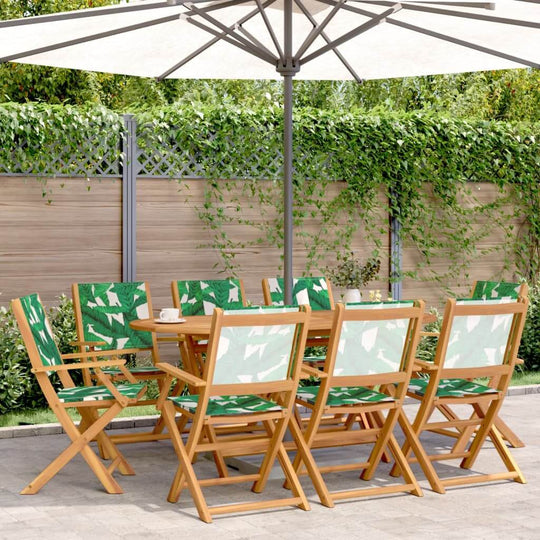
287, 71
287, 187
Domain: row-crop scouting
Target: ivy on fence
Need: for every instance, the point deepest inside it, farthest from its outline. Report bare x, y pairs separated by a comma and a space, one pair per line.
425, 166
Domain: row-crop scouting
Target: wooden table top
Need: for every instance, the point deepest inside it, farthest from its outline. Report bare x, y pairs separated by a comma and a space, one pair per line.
320, 321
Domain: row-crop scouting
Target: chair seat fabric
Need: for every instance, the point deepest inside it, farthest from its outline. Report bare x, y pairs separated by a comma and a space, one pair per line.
450, 387
343, 395
98, 393
136, 369
228, 405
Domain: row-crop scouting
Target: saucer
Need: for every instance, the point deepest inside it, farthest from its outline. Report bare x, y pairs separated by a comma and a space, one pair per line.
170, 321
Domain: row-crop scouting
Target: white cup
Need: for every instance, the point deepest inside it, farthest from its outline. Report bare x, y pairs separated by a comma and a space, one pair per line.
169, 314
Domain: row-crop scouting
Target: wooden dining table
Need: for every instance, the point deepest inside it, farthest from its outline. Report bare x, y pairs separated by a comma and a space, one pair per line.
320, 323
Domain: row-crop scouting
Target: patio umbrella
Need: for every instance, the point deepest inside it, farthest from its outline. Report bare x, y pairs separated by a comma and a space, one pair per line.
265, 39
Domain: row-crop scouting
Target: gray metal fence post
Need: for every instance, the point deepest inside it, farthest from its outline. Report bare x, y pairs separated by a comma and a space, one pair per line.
396, 256
130, 169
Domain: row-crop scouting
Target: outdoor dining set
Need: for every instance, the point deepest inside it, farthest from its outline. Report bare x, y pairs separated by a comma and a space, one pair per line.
282, 381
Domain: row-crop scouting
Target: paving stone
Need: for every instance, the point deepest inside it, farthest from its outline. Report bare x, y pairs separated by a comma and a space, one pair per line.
73, 505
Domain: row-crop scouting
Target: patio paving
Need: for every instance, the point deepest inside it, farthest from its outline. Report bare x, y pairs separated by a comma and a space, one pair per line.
74, 506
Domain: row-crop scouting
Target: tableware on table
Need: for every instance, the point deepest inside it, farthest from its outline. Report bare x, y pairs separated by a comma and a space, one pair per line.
169, 315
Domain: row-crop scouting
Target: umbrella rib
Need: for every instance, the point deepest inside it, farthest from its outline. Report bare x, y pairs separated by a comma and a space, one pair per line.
222, 36
254, 40
209, 44
91, 37
270, 30
376, 20
441, 11
81, 14
318, 29
467, 44
263, 53
328, 40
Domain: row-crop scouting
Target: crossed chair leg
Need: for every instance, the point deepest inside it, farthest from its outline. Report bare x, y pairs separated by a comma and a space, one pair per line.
185, 475
90, 428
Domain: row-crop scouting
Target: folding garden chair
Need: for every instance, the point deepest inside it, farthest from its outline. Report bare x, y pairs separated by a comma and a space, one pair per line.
46, 360
250, 375
103, 312
314, 291
485, 290
200, 297
367, 370
479, 338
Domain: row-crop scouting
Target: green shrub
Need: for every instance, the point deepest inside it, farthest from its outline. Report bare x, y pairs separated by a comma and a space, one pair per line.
18, 386
529, 349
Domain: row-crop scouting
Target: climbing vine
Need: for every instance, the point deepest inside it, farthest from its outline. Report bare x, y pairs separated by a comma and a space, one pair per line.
352, 171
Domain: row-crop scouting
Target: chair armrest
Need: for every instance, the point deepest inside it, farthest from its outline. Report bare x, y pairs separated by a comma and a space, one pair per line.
87, 343
80, 365
422, 365
519, 361
423, 333
312, 372
90, 354
181, 374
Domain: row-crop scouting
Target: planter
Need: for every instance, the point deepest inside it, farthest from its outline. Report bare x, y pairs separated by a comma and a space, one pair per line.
352, 296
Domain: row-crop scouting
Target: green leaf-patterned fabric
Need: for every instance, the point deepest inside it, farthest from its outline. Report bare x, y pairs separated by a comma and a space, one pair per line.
312, 291
370, 347
343, 395
492, 290
201, 297
98, 393
478, 340
136, 370
108, 308
227, 405
41, 330
254, 353
450, 387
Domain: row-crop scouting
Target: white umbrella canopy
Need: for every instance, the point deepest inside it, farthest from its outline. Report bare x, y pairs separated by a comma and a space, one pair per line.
269, 39
149, 38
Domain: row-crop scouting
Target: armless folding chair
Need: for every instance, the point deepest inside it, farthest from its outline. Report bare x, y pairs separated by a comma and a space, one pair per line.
492, 290
201, 297
479, 338
250, 375
46, 359
367, 370
313, 291
103, 312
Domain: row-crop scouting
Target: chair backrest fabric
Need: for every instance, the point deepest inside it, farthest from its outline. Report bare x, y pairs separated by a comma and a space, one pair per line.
312, 291
106, 309
201, 297
40, 328
369, 347
492, 290
478, 340
255, 353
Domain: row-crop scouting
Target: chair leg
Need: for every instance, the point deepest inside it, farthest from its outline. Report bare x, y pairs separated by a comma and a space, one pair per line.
306, 456
80, 444
423, 460
505, 454
184, 472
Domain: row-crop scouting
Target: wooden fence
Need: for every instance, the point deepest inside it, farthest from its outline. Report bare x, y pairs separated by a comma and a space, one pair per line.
78, 238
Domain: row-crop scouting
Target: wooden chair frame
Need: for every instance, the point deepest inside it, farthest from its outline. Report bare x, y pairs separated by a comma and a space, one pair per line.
318, 434
204, 437
268, 297
92, 424
94, 347
508, 434
472, 432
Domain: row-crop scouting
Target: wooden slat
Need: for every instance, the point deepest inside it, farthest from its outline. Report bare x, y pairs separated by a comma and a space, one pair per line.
45, 248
